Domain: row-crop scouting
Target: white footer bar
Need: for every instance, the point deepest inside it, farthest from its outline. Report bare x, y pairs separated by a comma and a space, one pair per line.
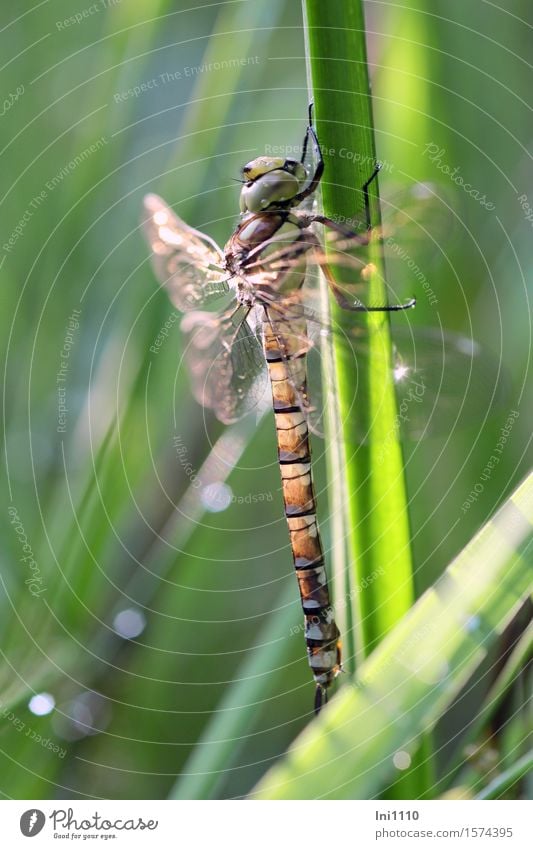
267, 825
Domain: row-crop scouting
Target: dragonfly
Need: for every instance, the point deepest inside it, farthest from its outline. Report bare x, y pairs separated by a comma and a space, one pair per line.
264, 335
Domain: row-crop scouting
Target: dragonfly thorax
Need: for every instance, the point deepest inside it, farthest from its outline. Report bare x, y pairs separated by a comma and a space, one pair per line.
253, 247
271, 182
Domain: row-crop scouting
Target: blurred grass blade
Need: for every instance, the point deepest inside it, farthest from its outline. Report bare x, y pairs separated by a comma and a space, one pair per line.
237, 711
209, 105
507, 779
417, 670
18, 684
473, 729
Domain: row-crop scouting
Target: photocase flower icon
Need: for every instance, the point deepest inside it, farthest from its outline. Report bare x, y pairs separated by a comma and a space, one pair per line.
32, 822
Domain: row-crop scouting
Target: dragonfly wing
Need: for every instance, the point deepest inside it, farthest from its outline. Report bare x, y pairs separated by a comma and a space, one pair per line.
187, 263
418, 229
414, 224
352, 266
226, 362
442, 380
345, 259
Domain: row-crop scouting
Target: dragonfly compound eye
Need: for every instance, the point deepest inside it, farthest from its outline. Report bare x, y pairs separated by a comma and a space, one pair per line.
262, 165
292, 166
267, 190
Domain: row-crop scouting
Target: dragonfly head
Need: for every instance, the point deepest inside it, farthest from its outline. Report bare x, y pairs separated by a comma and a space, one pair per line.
271, 181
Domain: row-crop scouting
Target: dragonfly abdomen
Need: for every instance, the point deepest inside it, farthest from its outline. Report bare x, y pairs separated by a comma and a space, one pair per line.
294, 455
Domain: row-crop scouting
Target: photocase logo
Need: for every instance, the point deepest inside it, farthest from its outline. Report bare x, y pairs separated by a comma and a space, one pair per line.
32, 822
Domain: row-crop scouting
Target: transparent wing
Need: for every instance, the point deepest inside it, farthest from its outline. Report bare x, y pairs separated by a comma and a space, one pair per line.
417, 213
412, 239
417, 230
188, 263
226, 362
344, 257
443, 380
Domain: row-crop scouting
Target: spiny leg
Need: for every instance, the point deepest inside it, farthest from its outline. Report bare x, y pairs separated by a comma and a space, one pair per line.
366, 196
306, 137
319, 169
359, 307
339, 297
311, 133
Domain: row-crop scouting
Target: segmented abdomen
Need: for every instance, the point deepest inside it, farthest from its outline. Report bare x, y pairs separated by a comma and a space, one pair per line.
294, 454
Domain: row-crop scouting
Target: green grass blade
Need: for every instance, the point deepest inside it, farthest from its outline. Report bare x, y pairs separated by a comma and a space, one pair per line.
371, 494
417, 670
376, 519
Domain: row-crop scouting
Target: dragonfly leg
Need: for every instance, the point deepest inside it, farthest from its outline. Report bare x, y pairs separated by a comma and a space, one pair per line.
409, 304
366, 196
306, 137
310, 135
357, 238
343, 301
321, 698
